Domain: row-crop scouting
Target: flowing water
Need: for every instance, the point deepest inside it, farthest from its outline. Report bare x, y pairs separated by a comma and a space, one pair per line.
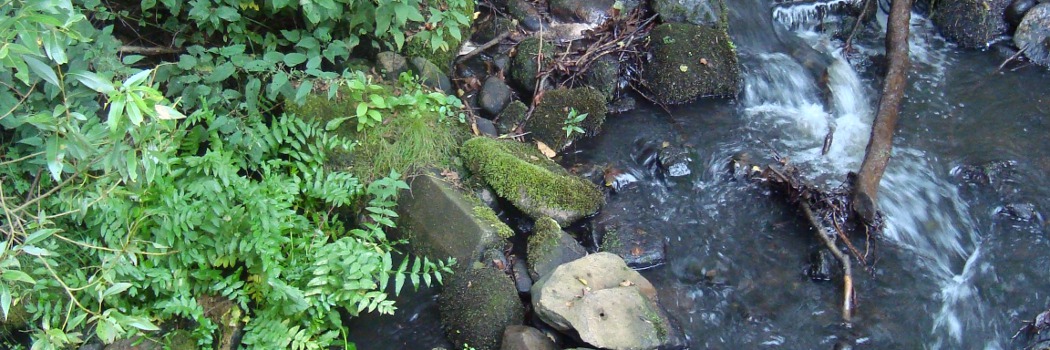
964, 258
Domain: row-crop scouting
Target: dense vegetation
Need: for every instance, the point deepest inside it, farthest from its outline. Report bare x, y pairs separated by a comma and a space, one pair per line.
148, 167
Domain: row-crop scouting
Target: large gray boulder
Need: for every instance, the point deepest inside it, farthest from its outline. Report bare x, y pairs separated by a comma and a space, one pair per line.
526, 338
550, 247
609, 305
971, 23
477, 305
1033, 34
699, 12
690, 61
440, 222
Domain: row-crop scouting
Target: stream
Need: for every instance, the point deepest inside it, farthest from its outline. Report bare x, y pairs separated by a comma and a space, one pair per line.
963, 259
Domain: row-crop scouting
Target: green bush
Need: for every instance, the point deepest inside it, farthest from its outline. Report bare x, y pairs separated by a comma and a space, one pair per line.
120, 212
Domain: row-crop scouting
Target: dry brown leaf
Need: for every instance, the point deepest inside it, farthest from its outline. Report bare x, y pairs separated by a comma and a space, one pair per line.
703, 61
474, 128
546, 150
626, 283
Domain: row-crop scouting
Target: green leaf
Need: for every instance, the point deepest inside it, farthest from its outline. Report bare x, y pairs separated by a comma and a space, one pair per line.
94, 81
294, 59
220, 73
42, 70
279, 80
362, 108
167, 113
304, 89
399, 282
5, 300
134, 112
132, 59
116, 112
142, 323
137, 79
35, 251
187, 62
18, 276
334, 123
55, 155
132, 165
106, 330
40, 235
116, 288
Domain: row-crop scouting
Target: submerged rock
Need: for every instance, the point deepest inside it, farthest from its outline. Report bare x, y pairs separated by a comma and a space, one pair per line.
609, 305
526, 338
534, 184
477, 305
1033, 34
548, 119
675, 161
690, 61
639, 248
523, 67
699, 12
440, 222
550, 247
971, 23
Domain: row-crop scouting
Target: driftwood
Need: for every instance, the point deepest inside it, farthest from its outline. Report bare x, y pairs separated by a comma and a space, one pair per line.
149, 50
880, 145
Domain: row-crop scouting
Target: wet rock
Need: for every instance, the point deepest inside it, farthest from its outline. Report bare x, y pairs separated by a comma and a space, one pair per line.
971, 23
486, 127
646, 153
623, 104
137, 343
1033, 34
689, 61
526, 14
1016, 11
523, 67
638, 247
821, 265
533, 183
1024, 212
522, 280
495, 95
440, 222
675, 161
526, 338
91, 346
501, 62
477, 305
589, 11
391, 65
511, 117
550, 247
604, 76
432, 75
609, 305
999, 176
548, 119
491, 29
617, 179
698, 12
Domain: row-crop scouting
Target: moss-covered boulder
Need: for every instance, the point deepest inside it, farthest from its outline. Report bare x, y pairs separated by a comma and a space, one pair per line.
690, 61
524, 67
604, 76
511, 117
549, 247
548, 120
699, 12
971, 23
477, 305
443, 57
440, 222
534, 184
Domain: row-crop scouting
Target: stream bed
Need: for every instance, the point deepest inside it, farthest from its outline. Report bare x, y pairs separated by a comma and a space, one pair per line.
964, 258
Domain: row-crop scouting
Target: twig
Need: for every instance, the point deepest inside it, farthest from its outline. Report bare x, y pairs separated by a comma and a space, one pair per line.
1011, 58
856, 26
150, 50
483, 47
847, 296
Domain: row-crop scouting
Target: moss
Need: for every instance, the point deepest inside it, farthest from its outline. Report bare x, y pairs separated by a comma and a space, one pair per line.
691, 61
487, 216
611, 241
533, 183
604, 76
406, 143
180, 339
544, 237
548, 120
523, 66
658, 324
442, 58
477, 305
550, 247
971, 23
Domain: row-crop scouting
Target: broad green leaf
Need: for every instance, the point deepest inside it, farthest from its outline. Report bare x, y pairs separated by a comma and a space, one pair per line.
304, 89
94, 81
187, 62
362, 108
106, 330
167, 113
116, 112
42, 70
35, 251
116, 288
294, 59
18, 276
137, 78
39, 235
132, 160
134, 112
132, 59
334, 123
55, 155
399, 282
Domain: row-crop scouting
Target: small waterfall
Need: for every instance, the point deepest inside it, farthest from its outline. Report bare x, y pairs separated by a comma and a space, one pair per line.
925, 214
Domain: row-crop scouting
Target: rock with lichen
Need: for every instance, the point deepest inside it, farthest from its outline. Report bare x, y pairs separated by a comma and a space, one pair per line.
440, 222
548, 120
525, 65
690, 61
549, 247
699, 12
534, 184
477, 305
971, 23
511, 117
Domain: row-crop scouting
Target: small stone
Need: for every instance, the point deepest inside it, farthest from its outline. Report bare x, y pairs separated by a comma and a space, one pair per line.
391, 65
675, 161
431, 74
495, 95
522, 280
526, 338
526, 14
486, 127
1033, 34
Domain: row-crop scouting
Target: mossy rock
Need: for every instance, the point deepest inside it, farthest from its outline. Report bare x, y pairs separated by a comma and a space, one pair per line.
690, 61
440, 57
699, 12
477, 305
408, 144
534, 184
548, 120
523, 67
511, 117
440, 222
971, 23
549, 247
604, 76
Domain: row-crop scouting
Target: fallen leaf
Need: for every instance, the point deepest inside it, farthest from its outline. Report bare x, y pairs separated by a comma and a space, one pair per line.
546, 150
665, 144
683, 68
474, 128
703, 61
450, 176
626, 283
582, 281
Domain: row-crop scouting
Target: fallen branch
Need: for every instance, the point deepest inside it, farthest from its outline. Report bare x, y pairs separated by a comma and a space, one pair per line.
483, 47
847, 271
148, 50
